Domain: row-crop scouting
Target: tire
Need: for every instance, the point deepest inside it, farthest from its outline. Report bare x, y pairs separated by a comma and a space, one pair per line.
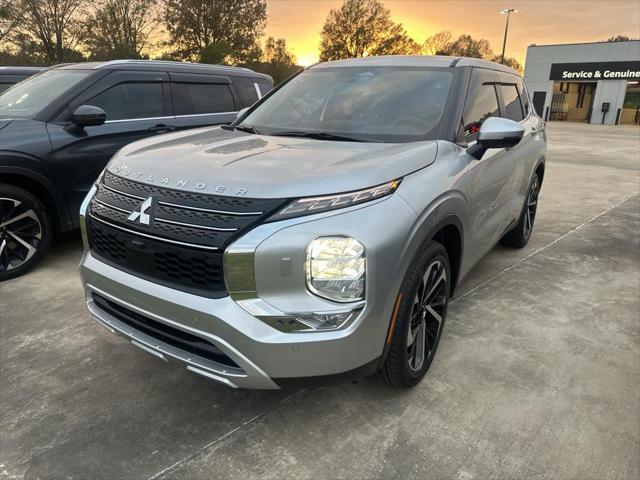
519, 236
403, 366
25, 231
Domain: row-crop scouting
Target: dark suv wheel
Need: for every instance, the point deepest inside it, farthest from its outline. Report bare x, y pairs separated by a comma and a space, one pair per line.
25, 231
419, 319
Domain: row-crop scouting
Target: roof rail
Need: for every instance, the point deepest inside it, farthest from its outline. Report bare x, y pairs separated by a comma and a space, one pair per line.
166, 62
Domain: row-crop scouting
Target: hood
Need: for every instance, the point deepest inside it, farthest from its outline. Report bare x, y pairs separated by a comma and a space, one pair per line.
4, 122
24, 135
233, 163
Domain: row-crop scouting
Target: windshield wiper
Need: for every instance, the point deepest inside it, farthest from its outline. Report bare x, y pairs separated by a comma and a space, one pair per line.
319, 136
247, 128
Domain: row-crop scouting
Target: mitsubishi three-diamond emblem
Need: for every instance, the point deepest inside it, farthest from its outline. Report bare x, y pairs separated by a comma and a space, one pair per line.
144, 213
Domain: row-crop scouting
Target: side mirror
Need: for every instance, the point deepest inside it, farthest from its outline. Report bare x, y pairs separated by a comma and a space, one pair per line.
241, 112
496, 132
88, 116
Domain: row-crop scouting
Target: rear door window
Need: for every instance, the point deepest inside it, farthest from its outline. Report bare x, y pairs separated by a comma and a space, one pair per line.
524, 97
130, 101
265, 87
247, 90
202, 98
511, 99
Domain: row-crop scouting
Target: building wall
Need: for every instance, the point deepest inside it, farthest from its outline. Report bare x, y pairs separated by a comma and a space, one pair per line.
540, 58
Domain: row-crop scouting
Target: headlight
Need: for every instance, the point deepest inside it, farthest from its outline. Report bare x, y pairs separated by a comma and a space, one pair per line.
336, 268
307, 206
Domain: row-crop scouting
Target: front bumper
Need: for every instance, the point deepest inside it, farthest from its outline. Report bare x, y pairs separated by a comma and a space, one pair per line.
259, 355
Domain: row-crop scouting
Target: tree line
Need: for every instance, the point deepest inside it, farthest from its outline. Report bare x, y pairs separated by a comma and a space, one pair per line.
46, 32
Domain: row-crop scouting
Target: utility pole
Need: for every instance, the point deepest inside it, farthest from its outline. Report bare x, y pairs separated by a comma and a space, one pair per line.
507, 12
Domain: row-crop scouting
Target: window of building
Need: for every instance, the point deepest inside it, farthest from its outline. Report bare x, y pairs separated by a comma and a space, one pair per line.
131, 100
513, 108
483, 104
581, 91
202, 98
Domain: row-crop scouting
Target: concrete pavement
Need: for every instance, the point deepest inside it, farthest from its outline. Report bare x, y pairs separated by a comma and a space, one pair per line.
537, 376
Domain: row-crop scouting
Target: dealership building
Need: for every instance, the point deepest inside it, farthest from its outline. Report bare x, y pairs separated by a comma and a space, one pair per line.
585, 82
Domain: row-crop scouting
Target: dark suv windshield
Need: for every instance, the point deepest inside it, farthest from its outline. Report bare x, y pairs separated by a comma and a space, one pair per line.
30, 96
375, 104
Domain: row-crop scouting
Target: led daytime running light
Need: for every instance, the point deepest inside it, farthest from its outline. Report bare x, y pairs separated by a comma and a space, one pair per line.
308, 206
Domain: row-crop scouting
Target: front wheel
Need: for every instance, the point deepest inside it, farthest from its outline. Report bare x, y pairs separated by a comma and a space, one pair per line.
25, 231
419, 319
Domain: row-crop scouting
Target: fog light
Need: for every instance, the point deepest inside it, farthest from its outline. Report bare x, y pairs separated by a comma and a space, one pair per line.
336, 268
311, 321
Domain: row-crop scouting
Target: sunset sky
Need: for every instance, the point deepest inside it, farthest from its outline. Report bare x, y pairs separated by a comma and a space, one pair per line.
537, 21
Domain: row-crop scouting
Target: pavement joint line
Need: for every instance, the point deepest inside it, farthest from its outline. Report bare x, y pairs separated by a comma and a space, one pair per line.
542, 248
180, 462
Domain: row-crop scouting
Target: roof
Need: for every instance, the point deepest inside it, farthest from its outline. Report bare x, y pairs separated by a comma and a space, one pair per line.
582, 43
20, 70
167, 66
438, 61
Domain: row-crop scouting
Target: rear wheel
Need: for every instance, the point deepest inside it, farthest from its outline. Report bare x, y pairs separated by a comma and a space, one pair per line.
519, 236
420, 317
25, 231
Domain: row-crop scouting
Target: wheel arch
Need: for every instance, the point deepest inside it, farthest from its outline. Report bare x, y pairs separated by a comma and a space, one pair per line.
43, 189
539, 170
449, 233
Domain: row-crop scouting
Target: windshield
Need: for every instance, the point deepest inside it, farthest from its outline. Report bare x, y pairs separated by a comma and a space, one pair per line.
374, 104
30, 96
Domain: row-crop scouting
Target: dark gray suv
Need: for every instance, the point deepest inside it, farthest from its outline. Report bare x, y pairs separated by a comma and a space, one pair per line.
59, 128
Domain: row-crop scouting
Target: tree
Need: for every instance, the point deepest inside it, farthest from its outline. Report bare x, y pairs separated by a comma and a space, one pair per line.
467, 46
276, 60
620, 38
362, 28
437, 43
121, 28
8, 22
55, 26
510, 62
215, 30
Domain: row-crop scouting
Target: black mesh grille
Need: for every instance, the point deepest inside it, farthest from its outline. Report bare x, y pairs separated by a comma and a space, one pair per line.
165, 333
183, 268
183, 244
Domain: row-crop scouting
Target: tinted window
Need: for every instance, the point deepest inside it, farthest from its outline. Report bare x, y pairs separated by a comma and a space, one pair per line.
265, 87
513, 108
482, 104
199, 98
4, 86
130, 100
33, 94
246, 90
524, 97
389, 104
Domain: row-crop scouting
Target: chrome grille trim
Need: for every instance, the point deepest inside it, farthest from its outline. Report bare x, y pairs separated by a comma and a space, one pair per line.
191, 225
186, 207
160, 239
164, 220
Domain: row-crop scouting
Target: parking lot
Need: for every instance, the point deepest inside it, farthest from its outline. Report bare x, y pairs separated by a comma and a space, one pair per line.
537, 376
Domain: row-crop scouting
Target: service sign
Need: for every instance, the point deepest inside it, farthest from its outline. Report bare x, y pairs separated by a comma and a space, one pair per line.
595, 71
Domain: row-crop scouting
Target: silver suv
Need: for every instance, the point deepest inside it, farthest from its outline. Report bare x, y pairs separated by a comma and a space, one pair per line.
321, 235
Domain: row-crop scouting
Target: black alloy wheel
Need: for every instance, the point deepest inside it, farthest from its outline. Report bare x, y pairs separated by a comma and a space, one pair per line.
25, 231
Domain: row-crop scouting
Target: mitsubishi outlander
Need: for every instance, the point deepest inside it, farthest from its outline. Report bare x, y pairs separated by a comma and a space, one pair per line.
320, 236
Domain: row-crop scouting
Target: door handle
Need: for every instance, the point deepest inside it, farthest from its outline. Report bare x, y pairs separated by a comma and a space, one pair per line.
161, 128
